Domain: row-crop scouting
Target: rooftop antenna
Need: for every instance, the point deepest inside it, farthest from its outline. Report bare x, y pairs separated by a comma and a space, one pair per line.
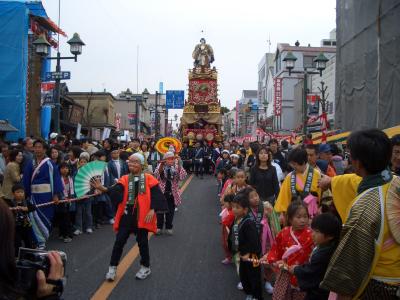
137, 70
269, 44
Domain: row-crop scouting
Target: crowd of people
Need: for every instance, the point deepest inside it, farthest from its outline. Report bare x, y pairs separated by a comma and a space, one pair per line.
311, 221
300, 221
137, 193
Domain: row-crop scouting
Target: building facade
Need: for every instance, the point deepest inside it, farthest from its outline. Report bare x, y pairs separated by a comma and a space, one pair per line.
286, 110
99, 112
125, 108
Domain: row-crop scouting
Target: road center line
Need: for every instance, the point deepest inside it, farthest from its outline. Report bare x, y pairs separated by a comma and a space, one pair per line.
104, 291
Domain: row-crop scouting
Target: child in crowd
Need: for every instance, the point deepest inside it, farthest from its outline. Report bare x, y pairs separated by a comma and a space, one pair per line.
101, 204
247, 241
235, 161
259, 212
65, 210
326, 229
23, 226
227, 219
83, 215
239, 183
231, 174
222, 176
224, 162
293, 246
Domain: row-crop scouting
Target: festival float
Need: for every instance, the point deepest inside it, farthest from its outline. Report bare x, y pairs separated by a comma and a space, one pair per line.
202, 119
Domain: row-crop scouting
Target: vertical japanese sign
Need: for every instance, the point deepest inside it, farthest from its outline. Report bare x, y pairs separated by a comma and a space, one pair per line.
236, 117
277, 96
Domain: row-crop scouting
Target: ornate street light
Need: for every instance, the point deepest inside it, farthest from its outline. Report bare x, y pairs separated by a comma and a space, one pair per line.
290, 61
42, 45
76, 44
321, 60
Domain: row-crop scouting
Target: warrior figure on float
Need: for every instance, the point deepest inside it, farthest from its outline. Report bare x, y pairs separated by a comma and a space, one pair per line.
203, 54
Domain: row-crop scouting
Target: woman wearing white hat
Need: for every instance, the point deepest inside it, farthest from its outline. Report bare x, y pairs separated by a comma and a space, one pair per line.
169, 173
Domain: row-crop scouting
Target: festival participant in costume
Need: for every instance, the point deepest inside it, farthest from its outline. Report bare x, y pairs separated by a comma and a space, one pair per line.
326, 154
42, 183
247, 242
366, 263
169, 174
224, 162
227, 219
293, 246
303, 182
395, 161
198, 158
186, 155
235, 161
142, 199
261, 213
326, 229
238, 184
64, 210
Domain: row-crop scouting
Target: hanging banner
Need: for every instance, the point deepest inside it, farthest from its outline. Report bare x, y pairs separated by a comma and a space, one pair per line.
106, 133
46, 96
277, 96
118, 121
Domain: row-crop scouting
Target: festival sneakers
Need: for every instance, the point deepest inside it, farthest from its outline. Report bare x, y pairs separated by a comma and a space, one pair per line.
269, 288
112, 272
143, 273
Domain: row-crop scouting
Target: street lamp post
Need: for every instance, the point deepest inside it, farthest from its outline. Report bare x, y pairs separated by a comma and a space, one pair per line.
290, 61
42, 45
139, 99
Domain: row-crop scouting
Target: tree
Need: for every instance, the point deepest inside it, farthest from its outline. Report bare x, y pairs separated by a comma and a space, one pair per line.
224, 110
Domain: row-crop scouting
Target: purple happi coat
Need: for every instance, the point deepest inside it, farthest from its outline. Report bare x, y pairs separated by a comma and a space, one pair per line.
181, 174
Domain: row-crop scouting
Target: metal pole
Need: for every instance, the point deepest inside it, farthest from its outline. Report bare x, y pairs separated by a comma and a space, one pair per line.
305, 105
57, 96
156, 117
166, 122
137, 118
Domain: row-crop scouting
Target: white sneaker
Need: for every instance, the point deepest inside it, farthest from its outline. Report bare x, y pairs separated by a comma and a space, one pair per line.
77, 232
67, 240
169, 232
89, 230
176, 209
112, 221
143, 273
112, 272
269, 288
240, 286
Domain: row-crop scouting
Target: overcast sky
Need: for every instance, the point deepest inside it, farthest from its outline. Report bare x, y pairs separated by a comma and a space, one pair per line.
167, 31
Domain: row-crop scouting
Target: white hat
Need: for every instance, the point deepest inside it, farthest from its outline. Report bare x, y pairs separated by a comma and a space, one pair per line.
139, 156
85, 155
225, 151
53, 135
169, 154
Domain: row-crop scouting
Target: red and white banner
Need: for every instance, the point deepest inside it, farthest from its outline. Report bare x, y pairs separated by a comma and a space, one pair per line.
277, 96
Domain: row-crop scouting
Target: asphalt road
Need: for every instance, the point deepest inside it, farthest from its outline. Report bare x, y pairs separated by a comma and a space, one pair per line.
186, 265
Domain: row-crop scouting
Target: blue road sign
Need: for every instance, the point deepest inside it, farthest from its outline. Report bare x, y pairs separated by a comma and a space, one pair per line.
51, 76
175, 99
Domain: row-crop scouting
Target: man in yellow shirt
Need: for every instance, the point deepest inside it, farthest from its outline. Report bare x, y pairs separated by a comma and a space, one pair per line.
300, 182
366, 263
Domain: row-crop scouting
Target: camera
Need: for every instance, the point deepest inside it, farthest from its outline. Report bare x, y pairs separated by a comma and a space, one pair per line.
28, 263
